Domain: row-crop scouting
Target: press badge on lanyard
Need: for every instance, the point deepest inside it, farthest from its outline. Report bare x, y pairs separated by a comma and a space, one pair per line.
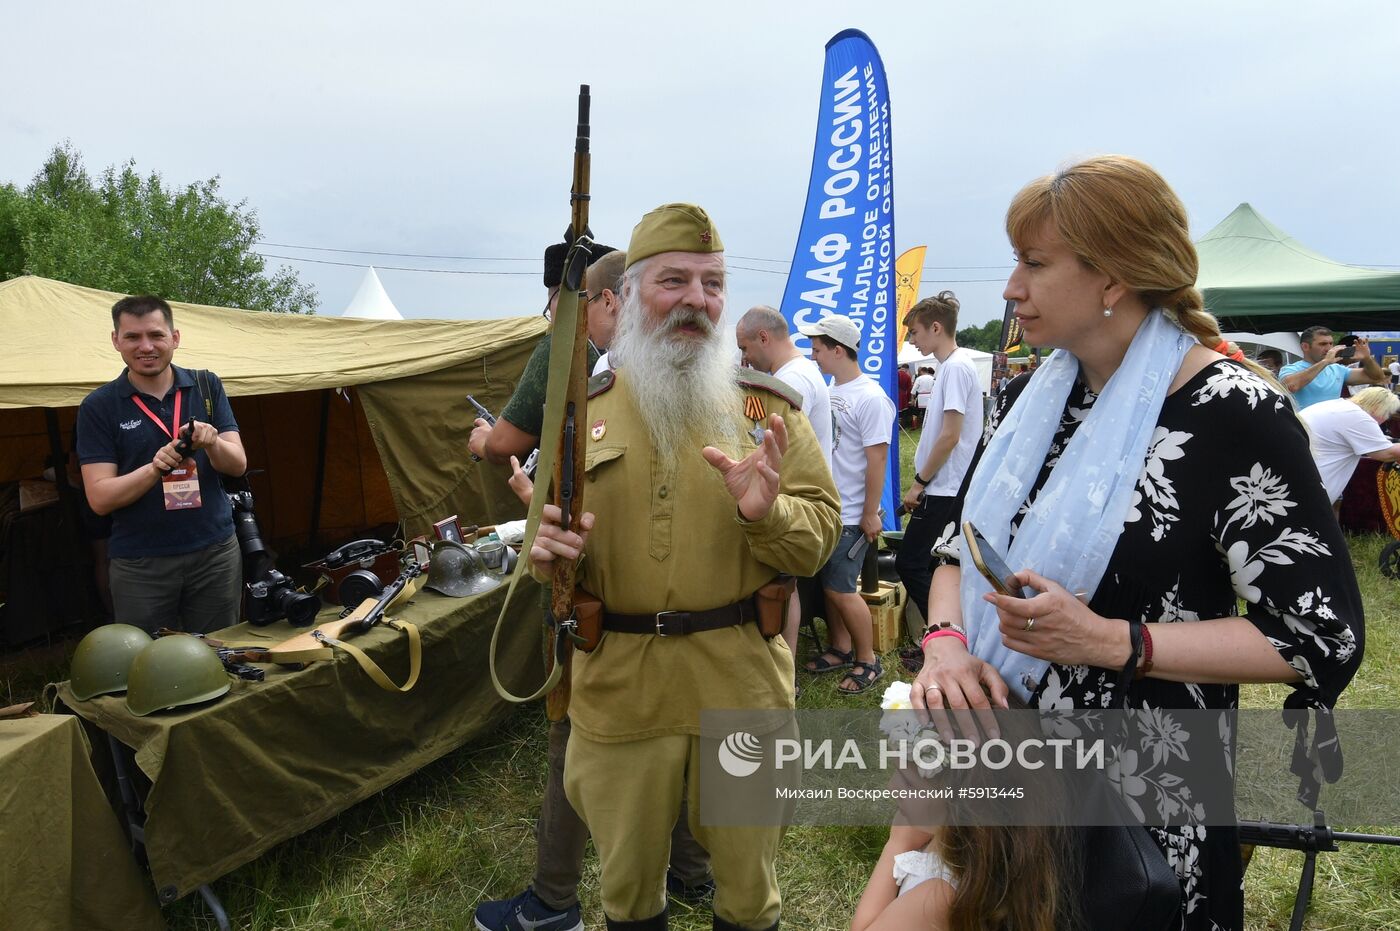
179, 486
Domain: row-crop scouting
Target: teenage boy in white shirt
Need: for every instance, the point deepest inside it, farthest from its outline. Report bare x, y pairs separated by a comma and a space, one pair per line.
952, 428
864, 418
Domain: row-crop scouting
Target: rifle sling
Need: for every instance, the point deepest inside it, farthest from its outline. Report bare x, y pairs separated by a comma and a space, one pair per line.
561, 353
371, 668
283, 657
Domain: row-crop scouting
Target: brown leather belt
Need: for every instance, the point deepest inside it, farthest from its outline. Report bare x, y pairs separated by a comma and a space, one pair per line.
678, 623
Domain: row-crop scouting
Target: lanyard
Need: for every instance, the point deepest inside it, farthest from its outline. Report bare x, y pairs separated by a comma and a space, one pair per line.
176, 423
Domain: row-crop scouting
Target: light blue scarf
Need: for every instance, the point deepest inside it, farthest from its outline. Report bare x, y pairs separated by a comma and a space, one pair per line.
1073, 525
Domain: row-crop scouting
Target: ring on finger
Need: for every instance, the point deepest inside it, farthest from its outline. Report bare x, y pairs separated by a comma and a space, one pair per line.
1030, 624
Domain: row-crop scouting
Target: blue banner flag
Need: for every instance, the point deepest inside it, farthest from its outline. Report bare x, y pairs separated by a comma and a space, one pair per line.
844, 261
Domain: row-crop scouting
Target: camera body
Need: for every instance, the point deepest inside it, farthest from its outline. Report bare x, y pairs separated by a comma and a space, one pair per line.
268, 594
1348, 350
274, 596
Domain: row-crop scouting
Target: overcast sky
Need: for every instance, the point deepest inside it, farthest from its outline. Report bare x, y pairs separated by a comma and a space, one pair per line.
447, 128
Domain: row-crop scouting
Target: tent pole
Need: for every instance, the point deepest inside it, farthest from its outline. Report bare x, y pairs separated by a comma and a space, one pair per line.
60, 459
320, 467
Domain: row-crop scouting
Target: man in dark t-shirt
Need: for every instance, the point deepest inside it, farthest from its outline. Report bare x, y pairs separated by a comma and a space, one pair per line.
174, 559
517, 430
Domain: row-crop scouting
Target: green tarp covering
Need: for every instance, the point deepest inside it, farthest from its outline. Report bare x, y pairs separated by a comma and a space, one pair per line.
269, 760
67, 863
1258, 278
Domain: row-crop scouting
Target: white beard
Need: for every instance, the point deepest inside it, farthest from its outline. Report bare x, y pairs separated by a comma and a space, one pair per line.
681, 384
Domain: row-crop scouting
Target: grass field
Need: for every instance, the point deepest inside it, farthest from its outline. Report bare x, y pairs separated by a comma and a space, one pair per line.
421, 854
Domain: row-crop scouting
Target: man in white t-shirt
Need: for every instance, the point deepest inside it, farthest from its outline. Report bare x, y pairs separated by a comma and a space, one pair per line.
764, 340
1343, 430
923, 386
952, 428
864, 419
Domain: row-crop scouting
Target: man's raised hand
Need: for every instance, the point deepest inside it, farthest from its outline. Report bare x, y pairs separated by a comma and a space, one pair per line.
753, 480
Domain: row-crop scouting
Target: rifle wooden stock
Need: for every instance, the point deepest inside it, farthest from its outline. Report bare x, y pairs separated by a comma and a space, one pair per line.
569, 471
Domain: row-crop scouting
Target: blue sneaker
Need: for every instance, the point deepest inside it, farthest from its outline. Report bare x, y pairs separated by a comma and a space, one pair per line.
691, 895
526, 912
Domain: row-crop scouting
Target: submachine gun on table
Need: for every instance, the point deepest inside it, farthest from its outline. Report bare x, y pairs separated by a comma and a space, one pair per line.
321, 642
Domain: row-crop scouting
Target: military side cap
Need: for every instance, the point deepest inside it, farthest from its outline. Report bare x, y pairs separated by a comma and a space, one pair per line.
554, 261
673, 228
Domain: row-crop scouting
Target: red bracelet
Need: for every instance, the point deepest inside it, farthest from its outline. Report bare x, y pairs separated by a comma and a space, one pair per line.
1146, 652
941, 632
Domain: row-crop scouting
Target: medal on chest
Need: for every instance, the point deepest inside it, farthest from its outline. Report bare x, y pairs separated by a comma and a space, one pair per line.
754, 410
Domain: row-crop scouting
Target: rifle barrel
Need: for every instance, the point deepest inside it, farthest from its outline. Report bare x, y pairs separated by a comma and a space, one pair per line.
581, 139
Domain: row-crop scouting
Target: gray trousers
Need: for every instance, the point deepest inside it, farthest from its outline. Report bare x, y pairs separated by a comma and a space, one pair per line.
561, 836
195, 592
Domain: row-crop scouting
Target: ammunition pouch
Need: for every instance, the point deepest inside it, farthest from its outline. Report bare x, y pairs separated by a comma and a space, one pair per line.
771, 600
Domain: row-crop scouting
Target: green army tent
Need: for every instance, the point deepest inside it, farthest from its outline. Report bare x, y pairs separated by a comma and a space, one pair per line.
1258, 278
390, 446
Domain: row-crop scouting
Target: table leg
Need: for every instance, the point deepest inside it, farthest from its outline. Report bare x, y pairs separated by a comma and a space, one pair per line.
215, 906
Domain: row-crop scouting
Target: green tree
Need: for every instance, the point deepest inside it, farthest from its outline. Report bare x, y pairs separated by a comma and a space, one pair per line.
985, 337
138, 235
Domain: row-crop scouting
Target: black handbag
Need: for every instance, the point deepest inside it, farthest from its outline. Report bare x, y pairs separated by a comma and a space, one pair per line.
1125, 881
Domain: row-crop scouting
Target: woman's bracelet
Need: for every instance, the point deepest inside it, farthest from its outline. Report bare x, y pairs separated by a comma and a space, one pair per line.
1146, 666
943, 632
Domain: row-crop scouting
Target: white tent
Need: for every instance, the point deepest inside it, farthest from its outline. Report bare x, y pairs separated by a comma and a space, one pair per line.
1285, 341
372, 302
910, 356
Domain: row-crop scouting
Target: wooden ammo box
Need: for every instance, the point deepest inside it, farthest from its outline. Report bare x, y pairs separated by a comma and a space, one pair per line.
886, 615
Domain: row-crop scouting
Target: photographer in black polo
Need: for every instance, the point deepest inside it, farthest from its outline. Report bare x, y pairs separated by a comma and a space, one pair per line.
174, 559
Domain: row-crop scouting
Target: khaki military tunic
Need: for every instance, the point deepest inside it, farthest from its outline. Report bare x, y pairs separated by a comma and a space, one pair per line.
671, 538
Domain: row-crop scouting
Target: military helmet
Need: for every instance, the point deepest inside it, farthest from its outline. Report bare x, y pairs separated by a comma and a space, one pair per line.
459, 571
102, 659
175, 670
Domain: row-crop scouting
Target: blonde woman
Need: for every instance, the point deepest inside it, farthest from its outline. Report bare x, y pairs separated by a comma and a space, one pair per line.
1171, 483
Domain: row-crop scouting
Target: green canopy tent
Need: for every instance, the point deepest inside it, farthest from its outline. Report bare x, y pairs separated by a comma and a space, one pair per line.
349, 424
1258, 278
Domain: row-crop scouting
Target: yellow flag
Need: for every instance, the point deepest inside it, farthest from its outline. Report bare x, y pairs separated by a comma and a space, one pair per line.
1010, 330
908, 269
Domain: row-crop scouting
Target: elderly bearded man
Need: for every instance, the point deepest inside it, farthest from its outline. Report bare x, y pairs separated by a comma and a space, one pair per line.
698, 506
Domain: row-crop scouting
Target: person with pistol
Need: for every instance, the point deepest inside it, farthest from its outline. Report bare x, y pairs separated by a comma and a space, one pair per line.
704, 486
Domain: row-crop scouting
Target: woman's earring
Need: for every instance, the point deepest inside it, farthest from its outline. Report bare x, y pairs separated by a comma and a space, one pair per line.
1108, 311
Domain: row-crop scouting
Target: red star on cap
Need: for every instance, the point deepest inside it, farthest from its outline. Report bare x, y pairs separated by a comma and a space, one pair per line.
705, 236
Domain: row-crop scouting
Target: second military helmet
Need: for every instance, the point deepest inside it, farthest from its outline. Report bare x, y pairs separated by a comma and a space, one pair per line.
459, 570
103, 657
173, 671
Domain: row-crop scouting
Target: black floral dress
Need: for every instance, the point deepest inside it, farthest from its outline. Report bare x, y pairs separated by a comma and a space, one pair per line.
1229, 504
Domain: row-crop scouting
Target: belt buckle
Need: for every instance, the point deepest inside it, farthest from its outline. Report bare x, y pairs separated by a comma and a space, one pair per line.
660, 631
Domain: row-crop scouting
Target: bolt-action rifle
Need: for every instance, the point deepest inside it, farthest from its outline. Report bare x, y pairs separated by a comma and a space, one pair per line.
561, 447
